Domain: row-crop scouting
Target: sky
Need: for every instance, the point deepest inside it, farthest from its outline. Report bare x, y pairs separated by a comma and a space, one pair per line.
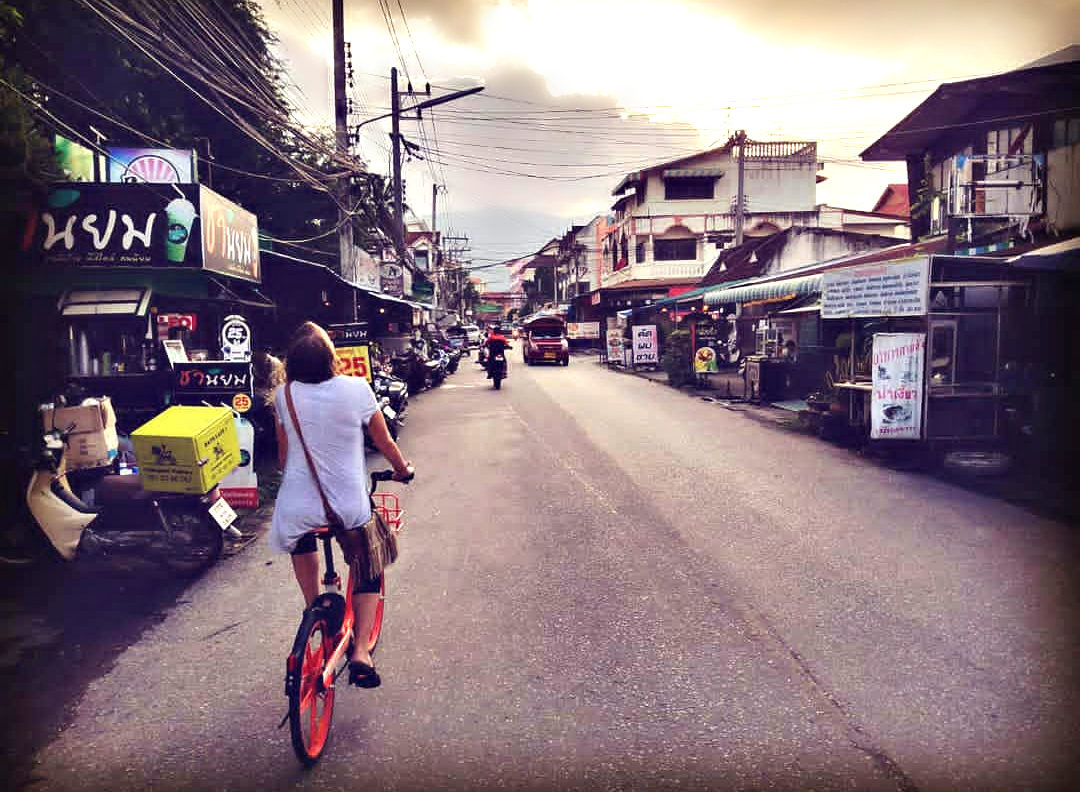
579, 92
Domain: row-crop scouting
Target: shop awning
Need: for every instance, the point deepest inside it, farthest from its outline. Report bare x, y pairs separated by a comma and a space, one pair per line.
105, 302
692, 173
1064, 256
768, 290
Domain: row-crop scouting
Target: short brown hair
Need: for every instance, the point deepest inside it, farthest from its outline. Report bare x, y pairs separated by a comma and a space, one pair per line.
311, 357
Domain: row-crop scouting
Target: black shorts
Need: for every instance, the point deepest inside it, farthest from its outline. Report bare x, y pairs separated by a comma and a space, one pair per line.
308, 543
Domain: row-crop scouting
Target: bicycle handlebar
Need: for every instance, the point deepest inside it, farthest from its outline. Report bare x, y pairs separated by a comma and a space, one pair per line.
388, 475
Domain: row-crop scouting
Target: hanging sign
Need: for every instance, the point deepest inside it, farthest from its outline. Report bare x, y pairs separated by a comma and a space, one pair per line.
236, 338
392, 279
355, 361
646, 346
897, 395
230, 237
894, 289
348, 333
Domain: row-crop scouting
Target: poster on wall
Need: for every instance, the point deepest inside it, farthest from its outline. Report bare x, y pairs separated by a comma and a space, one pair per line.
894, 289
646, 345
897, 395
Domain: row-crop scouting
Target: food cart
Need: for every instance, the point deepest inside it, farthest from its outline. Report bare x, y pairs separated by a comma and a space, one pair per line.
922, 347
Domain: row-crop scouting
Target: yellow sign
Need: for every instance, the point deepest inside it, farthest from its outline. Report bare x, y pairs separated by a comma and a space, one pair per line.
355, 361
241, 402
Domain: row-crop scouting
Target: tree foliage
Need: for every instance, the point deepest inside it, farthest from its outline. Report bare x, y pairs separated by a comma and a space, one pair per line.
88, 73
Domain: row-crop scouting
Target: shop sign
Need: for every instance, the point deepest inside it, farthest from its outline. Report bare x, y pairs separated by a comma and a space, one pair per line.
583, 330
646, 345
167, 321
76, 161
235, 338
115, 225
704, 340
392, 279
151, 166
897, 395
354, 361
212, 381
893, 289
230, 237
346, 334
614, 346
594, 298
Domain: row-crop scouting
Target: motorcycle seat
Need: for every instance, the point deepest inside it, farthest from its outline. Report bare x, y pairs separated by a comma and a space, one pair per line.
120, 489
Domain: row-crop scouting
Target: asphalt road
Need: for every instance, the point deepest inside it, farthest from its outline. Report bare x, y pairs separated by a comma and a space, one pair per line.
606, 584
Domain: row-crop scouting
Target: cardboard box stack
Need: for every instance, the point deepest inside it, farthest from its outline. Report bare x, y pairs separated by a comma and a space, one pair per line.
91, 432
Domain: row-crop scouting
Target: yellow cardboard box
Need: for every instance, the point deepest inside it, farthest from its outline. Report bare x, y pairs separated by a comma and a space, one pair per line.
91, 432
186, 449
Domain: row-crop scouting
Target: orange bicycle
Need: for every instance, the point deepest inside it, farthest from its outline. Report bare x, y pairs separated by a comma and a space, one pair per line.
325, 639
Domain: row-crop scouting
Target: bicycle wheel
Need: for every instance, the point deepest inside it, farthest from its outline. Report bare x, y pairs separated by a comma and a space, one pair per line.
376, 628
311, 706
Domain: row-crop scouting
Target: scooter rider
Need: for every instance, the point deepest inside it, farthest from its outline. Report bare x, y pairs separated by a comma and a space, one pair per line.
496, 344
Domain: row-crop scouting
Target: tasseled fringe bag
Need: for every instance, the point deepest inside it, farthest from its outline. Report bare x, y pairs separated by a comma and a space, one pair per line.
370, 548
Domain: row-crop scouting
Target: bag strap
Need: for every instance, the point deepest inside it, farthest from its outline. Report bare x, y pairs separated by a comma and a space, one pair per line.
307, 454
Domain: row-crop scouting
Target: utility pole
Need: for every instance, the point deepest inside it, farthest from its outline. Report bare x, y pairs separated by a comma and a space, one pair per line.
434, 194
395, 137
740, 143
341, 130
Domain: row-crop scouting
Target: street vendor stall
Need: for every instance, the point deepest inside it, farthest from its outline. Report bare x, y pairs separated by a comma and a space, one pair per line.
921, 345
139, 278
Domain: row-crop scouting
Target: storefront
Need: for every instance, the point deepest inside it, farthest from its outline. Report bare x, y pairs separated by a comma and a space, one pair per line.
122, 281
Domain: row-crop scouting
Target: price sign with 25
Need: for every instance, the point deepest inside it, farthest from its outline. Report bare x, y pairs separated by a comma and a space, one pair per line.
355, 361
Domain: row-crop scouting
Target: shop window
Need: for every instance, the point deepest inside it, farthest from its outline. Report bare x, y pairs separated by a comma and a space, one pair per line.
943, 352
675, 250
976, 348
677, 189
1066, 132
639, 252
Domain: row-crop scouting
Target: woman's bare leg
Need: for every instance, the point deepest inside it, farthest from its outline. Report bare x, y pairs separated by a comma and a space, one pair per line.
306, 569
364, 608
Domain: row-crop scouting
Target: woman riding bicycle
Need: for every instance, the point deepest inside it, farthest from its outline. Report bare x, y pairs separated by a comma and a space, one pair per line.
333, 411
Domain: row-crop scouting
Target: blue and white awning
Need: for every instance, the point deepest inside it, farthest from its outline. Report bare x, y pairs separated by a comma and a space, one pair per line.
768, 290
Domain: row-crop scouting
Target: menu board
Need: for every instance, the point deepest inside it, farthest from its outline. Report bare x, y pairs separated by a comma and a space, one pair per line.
646, 346
892, 289
897, 395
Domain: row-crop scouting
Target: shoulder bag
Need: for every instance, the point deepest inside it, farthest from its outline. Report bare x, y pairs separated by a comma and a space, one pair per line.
370, 548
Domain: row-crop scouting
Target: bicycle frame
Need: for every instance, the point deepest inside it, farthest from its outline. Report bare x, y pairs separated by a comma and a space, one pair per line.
331, 583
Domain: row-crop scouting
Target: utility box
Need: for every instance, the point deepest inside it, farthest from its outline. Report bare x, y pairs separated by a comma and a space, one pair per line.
186, 449
89, 429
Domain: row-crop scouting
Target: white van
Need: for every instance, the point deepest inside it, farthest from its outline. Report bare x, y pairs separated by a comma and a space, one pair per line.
472, 332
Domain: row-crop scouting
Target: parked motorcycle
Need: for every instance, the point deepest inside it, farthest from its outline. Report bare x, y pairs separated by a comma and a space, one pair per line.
410, 367
384, 383
122, 526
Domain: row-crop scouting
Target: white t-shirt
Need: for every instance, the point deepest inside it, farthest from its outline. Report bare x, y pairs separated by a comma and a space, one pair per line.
333, 415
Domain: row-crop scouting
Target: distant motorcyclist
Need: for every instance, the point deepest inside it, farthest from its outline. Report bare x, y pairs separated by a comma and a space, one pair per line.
496, 344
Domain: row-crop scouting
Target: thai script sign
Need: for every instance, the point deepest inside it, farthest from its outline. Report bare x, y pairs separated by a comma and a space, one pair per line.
584, 330
213, 381
704, 338
897, 395
345, 334
230, 237
893, 289
153, 166
646, 345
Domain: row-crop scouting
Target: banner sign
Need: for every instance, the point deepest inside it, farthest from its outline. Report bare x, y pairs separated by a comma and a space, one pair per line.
894, 289
347, 334
646, 345
583, 330
213, 381
355, 361
76, 161
230, 237
704, 338
152, 166
897, 395
392, 279
147, 225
